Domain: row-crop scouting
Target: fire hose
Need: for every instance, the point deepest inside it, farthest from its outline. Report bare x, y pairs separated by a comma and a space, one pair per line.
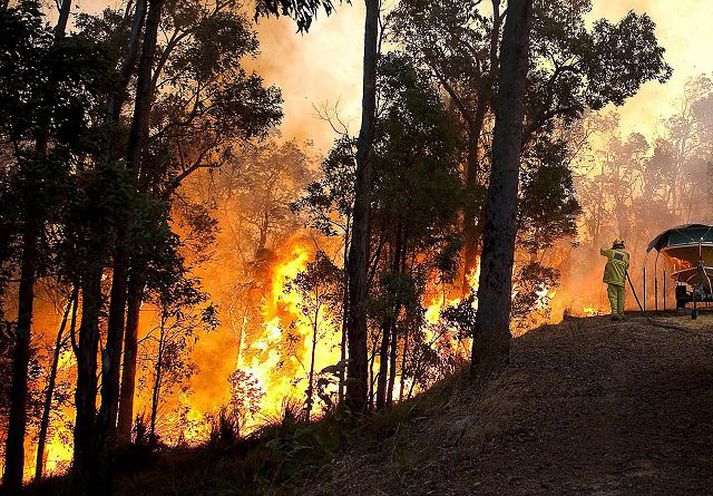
651, 321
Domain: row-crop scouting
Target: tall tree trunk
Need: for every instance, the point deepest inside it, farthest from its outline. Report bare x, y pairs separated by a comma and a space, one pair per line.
357, 373
14, 446
64, 10
116, 103
345, 312
401, 268
392, 359
383, 363
402, 383
17, 419
51, 380
471, 233
86, 393
137, 284
310, 383
156, 394
470, 214
106, 432
387, 327
491, 343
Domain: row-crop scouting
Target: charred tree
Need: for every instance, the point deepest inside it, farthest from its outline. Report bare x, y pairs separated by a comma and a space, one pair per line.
345, 312
158, 376
106, 432
358, 368
136, 287
491, 343
87, 348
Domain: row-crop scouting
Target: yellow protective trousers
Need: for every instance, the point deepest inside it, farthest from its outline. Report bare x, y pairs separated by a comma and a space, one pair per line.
617, 297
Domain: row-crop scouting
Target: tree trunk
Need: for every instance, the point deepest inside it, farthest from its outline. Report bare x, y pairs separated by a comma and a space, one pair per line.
137, 283
128, 65
17, 419
471, 233
345, 312
106, 432
116, 103
310, 383
64, 10
491, 343
14, 446
86, 393
383, 363
156, 394
470, 214
401, 268
357, 373
402, 383
392, 360
51, 380
387, 334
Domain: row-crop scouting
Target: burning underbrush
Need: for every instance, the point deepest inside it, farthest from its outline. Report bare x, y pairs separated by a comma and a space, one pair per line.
278, 342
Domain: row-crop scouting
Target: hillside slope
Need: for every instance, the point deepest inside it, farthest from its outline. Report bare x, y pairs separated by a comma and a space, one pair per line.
586, 407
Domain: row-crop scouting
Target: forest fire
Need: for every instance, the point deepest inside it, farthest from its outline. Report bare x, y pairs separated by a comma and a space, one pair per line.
187, 256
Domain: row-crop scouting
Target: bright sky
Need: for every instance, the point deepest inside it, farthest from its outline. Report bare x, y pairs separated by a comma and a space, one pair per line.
324, 66
684, 30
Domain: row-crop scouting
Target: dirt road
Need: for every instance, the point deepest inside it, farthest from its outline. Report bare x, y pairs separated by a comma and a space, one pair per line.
586, 407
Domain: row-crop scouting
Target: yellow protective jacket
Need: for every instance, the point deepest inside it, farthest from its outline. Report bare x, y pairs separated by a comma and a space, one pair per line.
617, 265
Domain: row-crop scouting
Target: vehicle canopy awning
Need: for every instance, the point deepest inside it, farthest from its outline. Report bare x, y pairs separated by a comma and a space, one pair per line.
682, 235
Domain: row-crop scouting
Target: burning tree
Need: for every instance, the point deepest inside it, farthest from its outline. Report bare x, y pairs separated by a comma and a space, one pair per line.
319, 288
167, 346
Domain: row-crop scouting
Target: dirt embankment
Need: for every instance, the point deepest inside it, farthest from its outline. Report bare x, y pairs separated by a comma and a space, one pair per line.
586, 407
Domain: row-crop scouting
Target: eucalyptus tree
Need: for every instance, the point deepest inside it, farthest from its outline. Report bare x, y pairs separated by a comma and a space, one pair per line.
574, 67
491, 345
50, 89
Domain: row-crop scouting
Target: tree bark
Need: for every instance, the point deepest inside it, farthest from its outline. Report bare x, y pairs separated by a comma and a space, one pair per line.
491, 343
345, 311
137, 284
156, 394
471, 233
392, 359
17, 419
357, 373
14, 446
383, 363
401, 268
402, 383
51, 380
86, 392
387, 334
106, 432
310, 383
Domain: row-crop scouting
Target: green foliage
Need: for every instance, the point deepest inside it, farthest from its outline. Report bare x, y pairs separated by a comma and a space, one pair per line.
417, 152
327, 202
302, 11
548, 207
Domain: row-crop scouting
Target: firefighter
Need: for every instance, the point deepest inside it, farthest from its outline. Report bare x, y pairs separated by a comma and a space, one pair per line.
615, 276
